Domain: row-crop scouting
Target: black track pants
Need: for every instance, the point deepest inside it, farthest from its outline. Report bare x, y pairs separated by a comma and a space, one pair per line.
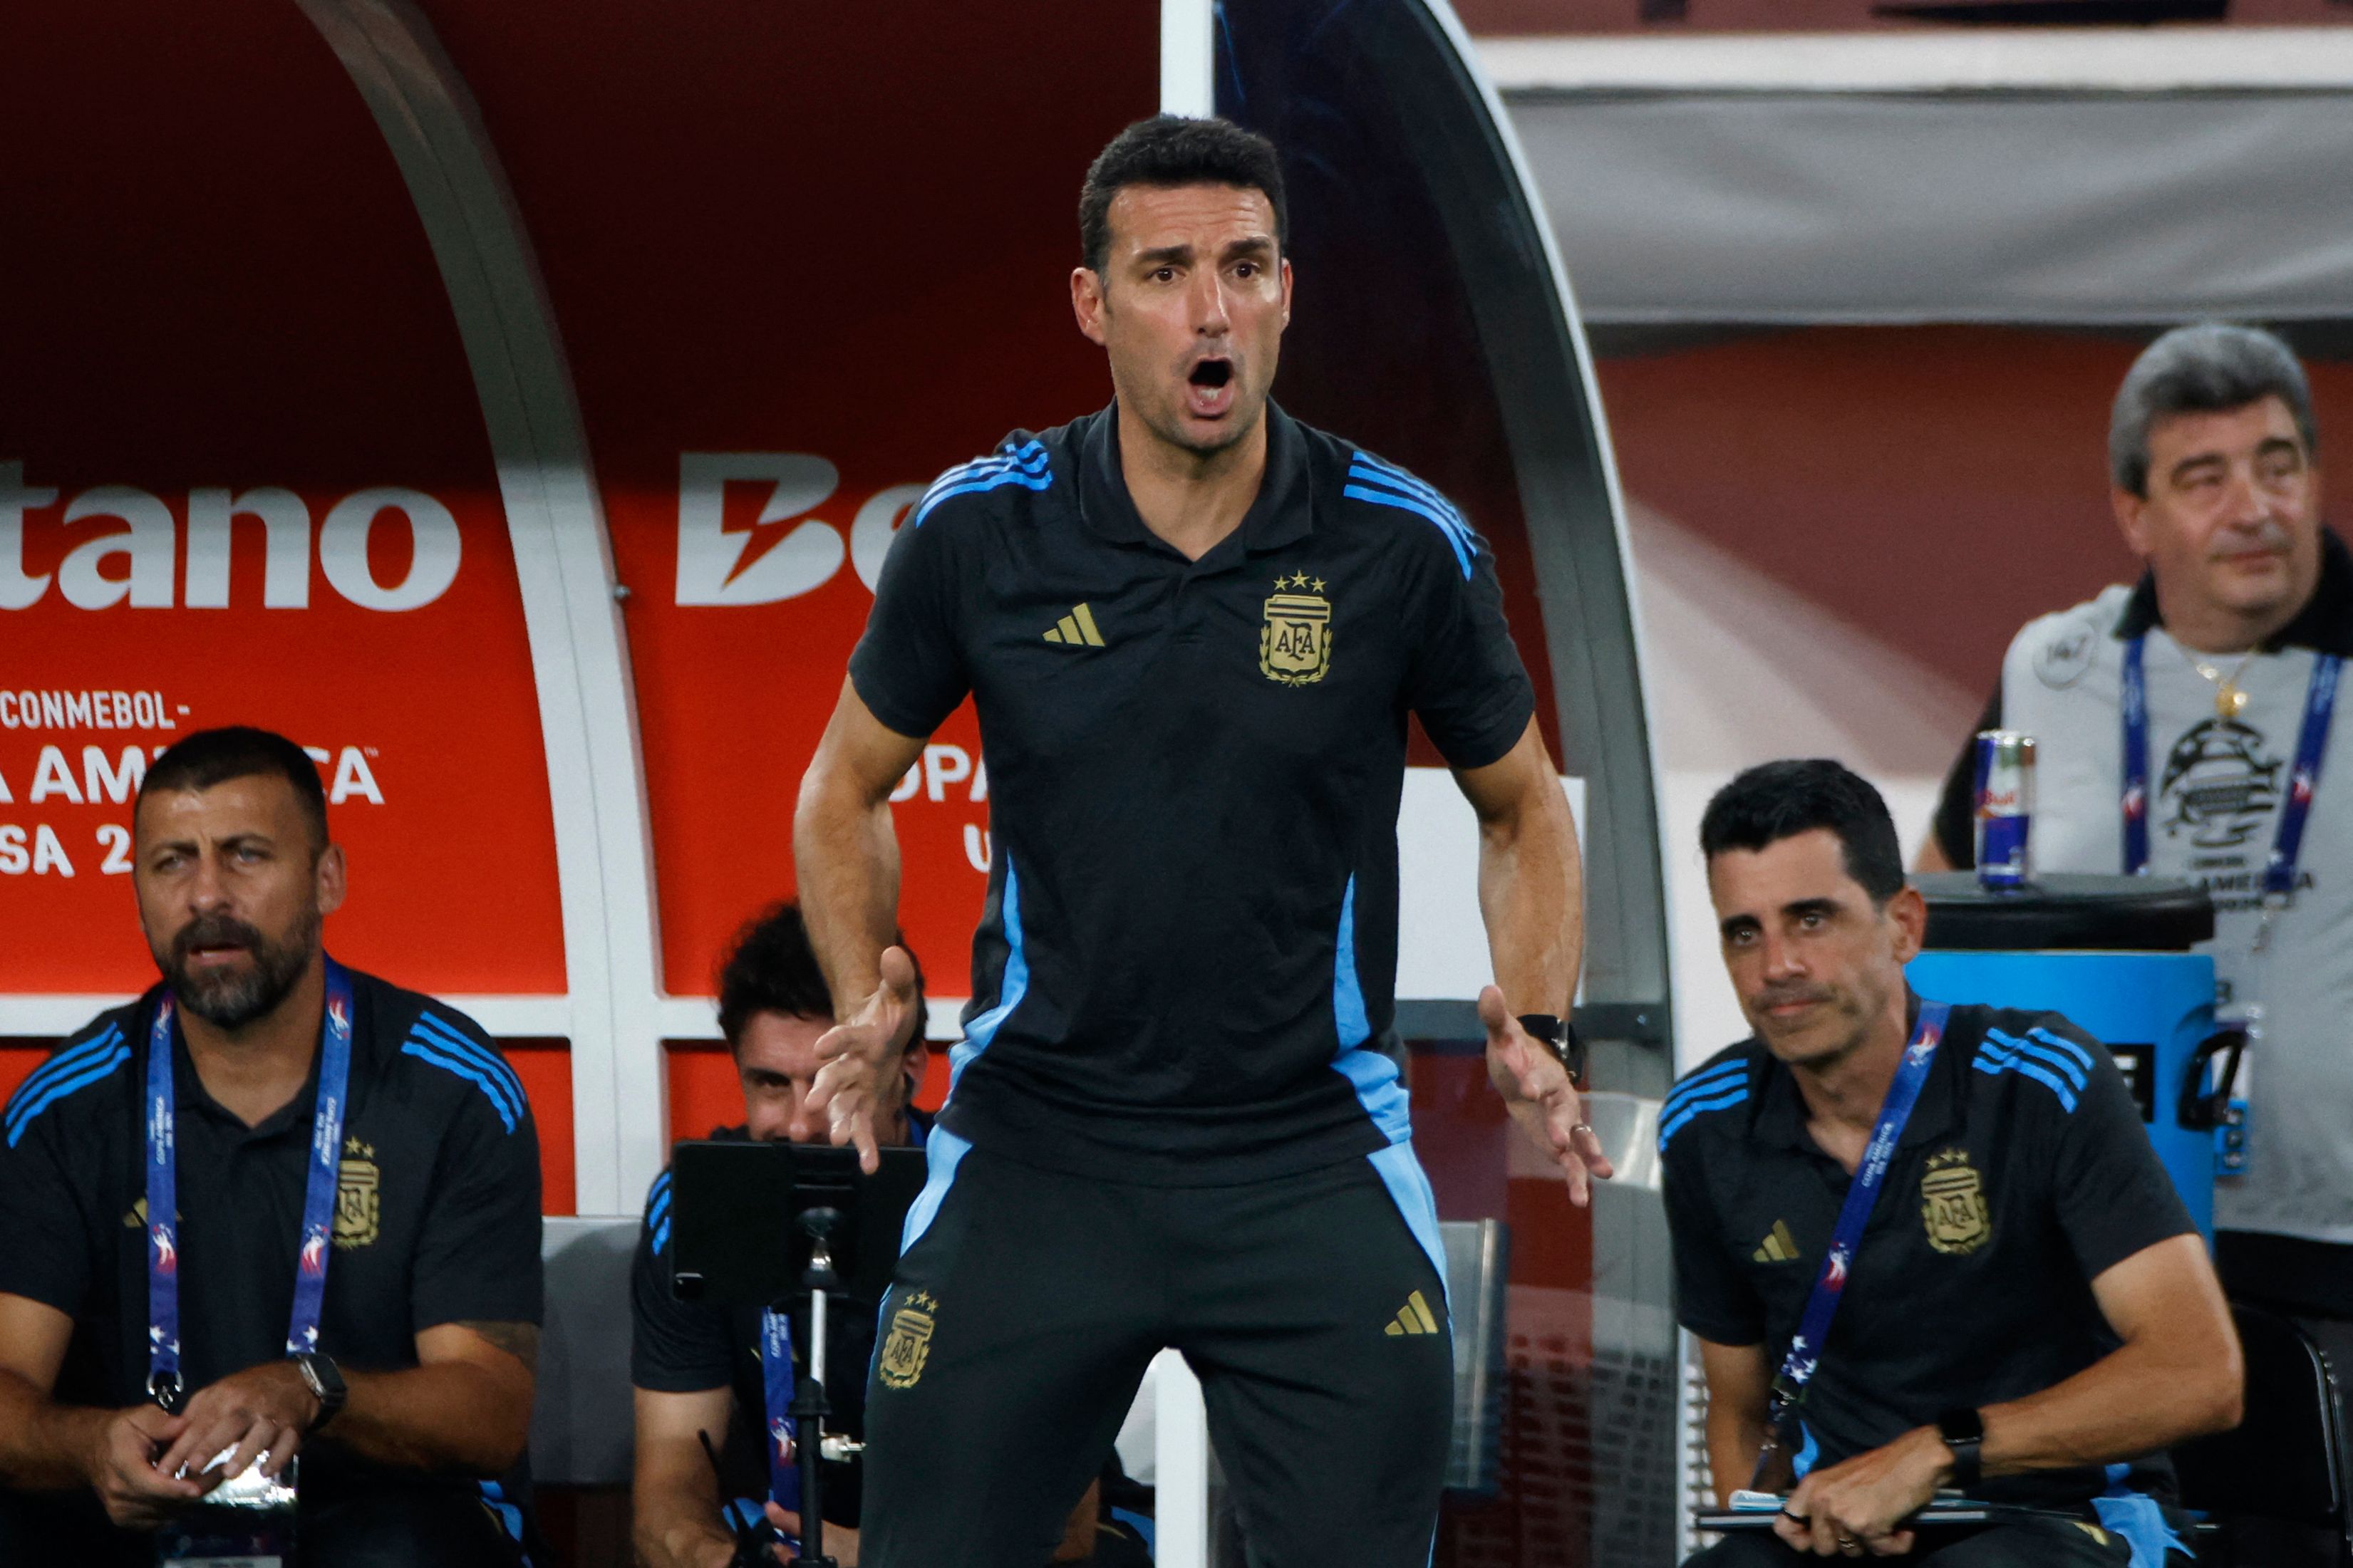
1025, 1312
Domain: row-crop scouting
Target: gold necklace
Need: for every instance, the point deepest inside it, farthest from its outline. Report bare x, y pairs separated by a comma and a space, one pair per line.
2230, 698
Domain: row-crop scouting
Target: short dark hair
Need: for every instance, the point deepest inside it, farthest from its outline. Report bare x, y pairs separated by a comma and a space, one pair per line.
772, 968
1170, 150
2207, 368
212, 757
1774, 801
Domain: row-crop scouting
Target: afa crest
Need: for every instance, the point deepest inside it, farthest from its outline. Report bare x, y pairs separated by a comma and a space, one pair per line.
1294, 644
909, 1344
359, 1201
1953, 1204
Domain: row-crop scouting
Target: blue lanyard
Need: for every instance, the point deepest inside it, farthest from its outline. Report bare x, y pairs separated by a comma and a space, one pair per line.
776, 1378
778, 1384
1814, 1327
2311, 750
163, 1382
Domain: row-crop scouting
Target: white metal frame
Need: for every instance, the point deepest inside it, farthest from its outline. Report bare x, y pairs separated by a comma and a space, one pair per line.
2057, 60
564, 562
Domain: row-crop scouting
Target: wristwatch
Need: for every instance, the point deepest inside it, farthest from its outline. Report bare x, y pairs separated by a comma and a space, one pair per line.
325, 1382
1559, 1037
1964, 1433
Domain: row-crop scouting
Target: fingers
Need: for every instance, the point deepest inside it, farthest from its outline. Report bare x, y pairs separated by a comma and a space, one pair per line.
1589, 1150
850, 1120
134, 1492
204, 1435
787, 1521
265, 1436
1894, 1543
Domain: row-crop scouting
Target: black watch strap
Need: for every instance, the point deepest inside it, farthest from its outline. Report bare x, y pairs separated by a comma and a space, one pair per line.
1964, 1433
1560, 1036
325, 1381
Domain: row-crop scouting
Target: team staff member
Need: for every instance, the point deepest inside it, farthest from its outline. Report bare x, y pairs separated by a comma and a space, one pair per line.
2022, 1308
2236, 627
1194, 627
412, 1386
697, 1368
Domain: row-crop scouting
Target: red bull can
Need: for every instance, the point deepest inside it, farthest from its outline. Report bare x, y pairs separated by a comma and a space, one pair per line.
2005, 813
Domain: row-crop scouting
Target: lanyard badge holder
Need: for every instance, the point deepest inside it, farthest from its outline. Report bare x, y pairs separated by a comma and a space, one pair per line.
1776, 1467
247, 1520
2225, 1108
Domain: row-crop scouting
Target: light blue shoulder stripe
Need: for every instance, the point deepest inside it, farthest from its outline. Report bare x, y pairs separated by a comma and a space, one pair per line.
1703, 1083
1994, 1062
1450, 516
1420, 509
2062, 1042
510, 1102
1027, 466
2028, 1050
1412, 484
426, 1053
63, 1064
447, 1035
1683, 1118
93, 1071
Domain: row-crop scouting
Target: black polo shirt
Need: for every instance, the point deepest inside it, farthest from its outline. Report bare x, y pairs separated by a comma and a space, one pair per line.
437, 1211
1194, 770
692, 1347
2023, 1175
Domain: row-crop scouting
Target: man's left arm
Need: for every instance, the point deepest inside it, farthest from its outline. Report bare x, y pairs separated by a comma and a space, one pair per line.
2177, 1372
1531, 900
2176, 1376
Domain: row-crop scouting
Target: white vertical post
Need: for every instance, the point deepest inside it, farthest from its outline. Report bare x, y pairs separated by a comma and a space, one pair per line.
1180, 1479
1189, 71
1188, 58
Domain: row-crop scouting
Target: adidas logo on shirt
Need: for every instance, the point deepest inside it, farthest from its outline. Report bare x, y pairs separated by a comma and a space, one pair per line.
1413, 1318
1778, 1246
1076, 630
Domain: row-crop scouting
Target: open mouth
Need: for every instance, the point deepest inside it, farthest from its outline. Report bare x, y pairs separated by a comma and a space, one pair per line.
1210, 388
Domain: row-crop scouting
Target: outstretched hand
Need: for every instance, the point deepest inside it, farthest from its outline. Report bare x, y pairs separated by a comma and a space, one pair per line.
1541, 1099
860, 1056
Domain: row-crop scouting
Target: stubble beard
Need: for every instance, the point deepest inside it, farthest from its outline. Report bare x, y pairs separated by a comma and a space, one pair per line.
230, 999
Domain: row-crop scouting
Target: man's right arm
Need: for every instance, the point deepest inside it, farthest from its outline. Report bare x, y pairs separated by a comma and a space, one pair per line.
846, 866
48, 1446
1738, 1382
673, 1493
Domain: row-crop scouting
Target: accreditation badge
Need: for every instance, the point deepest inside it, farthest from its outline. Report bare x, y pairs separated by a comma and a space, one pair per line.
246, 1522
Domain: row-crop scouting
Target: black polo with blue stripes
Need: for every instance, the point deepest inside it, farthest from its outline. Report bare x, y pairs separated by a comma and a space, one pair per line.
1185, 967
2023, 1175
437, 1205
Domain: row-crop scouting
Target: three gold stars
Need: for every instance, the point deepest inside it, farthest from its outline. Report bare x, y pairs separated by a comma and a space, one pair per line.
1298, 580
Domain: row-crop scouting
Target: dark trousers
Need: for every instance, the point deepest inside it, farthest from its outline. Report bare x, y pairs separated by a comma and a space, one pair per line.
1023, 1317
397, 1527
2034, 1544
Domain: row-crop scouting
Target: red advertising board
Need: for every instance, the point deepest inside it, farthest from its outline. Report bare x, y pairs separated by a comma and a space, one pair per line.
802, 262
244, 480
